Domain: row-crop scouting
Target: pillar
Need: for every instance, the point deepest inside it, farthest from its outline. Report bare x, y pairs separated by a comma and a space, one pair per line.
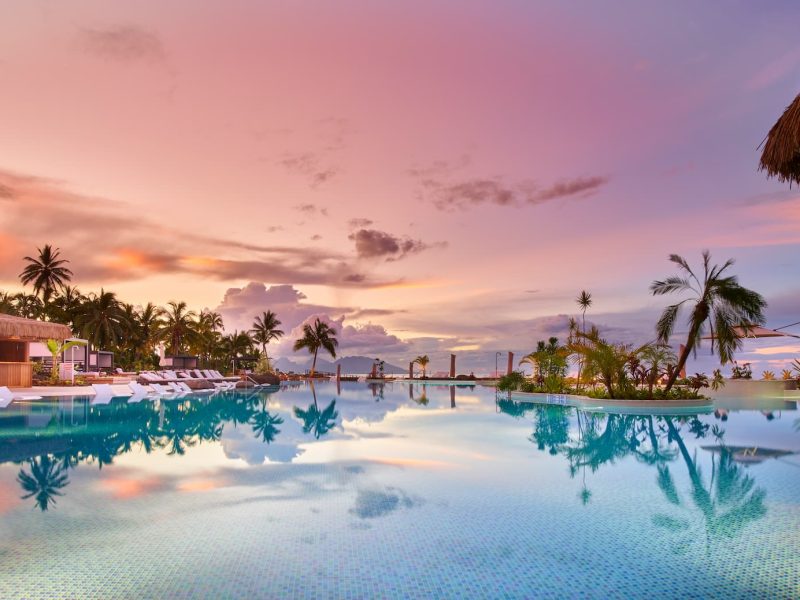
510, 363
374, 372
452, 396
338, 371
452, 366
411, 370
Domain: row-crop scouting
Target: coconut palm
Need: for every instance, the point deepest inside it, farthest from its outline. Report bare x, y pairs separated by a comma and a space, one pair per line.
423, 361
178, 326
584, 302
67, 305
45, 481
716, 298
604, 360
211, 319
28, 306
265, 329
236, 345
265, 424
102, 319
46, 272
7, 306
316, 336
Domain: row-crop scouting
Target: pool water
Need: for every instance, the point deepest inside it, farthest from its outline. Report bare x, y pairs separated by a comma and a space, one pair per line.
395, 491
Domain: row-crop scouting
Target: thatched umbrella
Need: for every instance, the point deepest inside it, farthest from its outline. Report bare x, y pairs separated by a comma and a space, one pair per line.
29, 329
781, 156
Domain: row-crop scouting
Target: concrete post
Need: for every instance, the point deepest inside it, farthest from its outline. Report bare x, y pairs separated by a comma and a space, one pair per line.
510, 363
338, 372
452, 366
374, 372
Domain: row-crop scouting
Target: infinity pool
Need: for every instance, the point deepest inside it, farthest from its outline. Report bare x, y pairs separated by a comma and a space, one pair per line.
395, 491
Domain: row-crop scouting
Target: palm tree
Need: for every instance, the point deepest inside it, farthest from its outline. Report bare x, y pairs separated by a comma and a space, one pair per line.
45, 481
56, 349
584, 301
423, 361
102, 319
148, 324
47, 272
178, 327
237, 345
211, 319
67, 305
656, 358
265, 329
716, 298
316, 336
7, 304
28, 306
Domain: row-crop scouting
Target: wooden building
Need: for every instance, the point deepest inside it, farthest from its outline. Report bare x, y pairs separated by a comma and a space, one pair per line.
16, 334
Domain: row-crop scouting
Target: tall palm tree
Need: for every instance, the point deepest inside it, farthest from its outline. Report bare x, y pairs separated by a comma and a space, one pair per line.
423, 362
178, 327
46, 272
316, 336
584, 302
148, 323
102, 320
265, 329
716, 298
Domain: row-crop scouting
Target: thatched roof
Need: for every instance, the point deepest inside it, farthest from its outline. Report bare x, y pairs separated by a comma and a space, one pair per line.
781, 156
30, 329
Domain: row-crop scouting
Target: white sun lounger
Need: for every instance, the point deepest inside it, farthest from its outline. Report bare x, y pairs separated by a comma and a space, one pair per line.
140, 393
7, 396
163, 391
103, 393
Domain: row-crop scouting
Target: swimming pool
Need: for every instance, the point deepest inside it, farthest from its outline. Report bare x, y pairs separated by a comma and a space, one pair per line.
394, 491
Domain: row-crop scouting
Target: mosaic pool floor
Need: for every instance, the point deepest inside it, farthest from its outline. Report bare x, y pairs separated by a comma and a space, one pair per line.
395, 491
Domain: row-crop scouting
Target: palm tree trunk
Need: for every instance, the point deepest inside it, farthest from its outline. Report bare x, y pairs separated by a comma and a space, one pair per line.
681, 360
314, 363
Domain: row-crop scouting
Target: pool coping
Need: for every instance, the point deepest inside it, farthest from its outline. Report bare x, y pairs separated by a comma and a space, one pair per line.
623, 407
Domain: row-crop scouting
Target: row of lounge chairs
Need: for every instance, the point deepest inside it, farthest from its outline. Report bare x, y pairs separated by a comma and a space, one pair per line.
104, 393
168, 376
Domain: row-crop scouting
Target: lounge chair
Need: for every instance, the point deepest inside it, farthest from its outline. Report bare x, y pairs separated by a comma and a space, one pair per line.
103, 393
140, 393
7, 396
164, 392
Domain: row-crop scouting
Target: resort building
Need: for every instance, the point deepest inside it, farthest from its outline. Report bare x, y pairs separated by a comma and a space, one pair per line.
16, 335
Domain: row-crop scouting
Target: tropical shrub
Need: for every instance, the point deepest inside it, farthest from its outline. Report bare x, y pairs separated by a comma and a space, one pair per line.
768, 376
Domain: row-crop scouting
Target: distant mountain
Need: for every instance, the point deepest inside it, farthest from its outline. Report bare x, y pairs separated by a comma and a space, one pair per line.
355, 365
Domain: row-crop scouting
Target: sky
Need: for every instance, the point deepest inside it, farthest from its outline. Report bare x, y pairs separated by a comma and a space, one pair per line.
434, 177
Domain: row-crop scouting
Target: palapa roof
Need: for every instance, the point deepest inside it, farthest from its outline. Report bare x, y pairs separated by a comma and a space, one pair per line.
781, 156
31, 329
754, 331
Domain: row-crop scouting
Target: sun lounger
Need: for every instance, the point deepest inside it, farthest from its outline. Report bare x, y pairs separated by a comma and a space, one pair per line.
163, 391
103, 393
7, 396
140, 393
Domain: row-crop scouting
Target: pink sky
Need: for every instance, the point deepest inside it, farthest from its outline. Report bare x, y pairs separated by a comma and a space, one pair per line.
451, 172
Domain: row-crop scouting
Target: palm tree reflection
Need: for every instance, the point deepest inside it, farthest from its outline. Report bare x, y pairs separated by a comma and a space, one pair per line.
727, 501
47, 477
